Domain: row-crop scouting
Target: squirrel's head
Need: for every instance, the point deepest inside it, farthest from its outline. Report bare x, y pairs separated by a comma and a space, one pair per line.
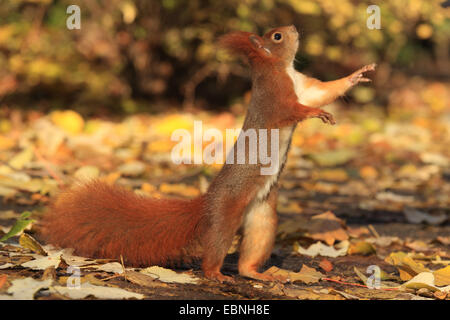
278, 45
283, 43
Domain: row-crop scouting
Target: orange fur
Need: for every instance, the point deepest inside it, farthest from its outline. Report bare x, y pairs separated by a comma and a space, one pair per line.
238, 42
104, 221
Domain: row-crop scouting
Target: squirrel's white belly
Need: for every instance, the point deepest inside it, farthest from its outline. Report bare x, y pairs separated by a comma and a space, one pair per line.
285, 135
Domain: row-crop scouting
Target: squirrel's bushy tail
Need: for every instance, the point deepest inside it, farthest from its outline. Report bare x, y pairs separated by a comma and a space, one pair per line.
103, 221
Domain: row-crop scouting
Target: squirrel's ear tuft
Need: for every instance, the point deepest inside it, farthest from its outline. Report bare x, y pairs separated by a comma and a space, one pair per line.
247, 44
258, 44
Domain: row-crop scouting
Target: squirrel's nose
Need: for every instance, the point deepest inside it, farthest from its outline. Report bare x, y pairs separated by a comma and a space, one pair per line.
293, 28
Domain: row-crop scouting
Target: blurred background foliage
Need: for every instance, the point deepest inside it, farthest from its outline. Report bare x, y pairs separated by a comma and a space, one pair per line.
142, 55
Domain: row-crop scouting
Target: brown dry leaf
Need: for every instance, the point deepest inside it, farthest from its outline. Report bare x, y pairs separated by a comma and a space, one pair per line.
444, 240
326, 265
143, 280
357, 232
306, 274
3, 279
326, 227
49, 273
302, 294
440, 295
361, 247
417, 245
346, 295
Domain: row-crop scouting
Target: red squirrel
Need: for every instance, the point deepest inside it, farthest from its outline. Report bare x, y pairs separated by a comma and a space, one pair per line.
105, 221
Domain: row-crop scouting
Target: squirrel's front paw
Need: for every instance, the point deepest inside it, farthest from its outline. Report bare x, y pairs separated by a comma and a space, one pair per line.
358, 76
326, 117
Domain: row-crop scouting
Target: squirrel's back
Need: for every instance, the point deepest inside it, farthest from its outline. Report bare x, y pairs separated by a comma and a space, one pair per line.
105, 221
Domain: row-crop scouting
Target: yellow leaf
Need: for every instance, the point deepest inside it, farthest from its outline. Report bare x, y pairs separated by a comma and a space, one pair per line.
68, 120
442, 276
29, 242
21, 159
361, 247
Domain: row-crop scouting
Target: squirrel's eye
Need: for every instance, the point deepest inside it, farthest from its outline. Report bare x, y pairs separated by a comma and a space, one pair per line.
277, 36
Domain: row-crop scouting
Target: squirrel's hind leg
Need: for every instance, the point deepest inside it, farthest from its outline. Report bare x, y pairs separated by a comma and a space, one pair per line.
259, 231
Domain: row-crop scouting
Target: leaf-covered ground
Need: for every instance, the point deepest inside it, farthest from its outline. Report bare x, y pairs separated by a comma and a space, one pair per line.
365, 197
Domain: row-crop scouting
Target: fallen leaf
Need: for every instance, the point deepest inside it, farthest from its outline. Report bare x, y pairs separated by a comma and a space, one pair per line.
49, 273
43, 263
3, 279
321, 249
357, 232
326, 265
382, 284
442, 276
326, 227
443, 240
361, 247
69, 120
141, 279
384, 241
169, 276
417, 245
112, 267
100, 292
440, 295
306, 274
421, 280
25, 289
29, 242
408, 268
